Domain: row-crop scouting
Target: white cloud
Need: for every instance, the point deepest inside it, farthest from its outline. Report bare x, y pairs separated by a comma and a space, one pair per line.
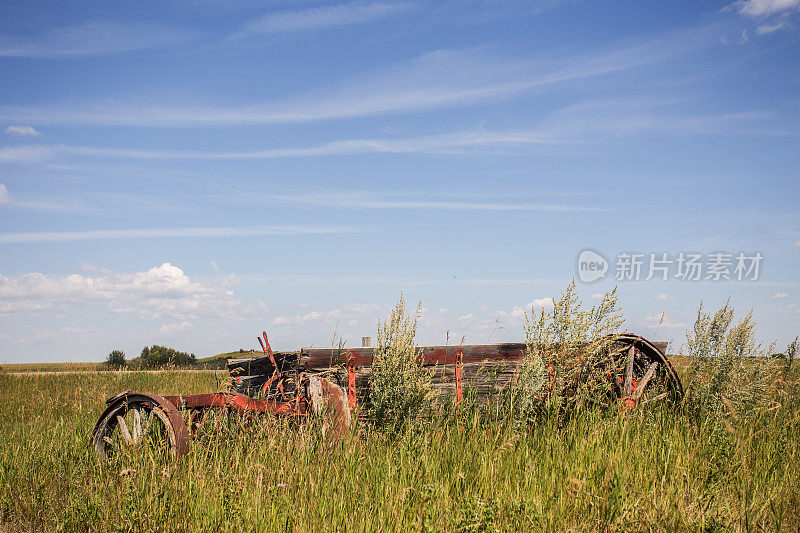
451, 143
236, 231
320, 18
764, 29
466, 317
168, 330
797, 243
661, 322
4, 196
360, 200
214, 266
540, 302
27, 131
760, 8
598, 296
662, 297
569, 127
93, 38
780, 296
349, 314
160, 292
439, 79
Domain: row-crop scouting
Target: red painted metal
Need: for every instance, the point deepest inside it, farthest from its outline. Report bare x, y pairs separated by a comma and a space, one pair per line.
236, 401
268, 349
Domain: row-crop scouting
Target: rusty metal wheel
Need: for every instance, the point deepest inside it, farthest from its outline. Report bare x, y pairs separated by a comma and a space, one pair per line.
135, 421
634, 371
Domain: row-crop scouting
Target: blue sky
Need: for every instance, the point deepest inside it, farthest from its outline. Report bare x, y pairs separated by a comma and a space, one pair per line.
190, 173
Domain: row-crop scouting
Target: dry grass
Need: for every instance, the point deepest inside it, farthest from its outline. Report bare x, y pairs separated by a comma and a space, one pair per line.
655, 470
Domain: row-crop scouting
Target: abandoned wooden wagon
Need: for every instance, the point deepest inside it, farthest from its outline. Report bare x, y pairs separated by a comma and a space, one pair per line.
334, 384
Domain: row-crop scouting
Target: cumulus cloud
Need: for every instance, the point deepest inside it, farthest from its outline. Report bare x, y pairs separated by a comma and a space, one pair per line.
467, 317
168, 330
160, 292
780, 296
662, 297
23, 130
660, 321
350, 314
540, 302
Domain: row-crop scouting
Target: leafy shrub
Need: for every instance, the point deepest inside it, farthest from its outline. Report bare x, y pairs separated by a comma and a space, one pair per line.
116, 359
157, 356
554, 338
400, 386
728, 366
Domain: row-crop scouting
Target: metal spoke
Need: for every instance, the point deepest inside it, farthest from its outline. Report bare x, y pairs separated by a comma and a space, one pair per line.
651, 371
123, 429
655, 398
629, 371
137, 425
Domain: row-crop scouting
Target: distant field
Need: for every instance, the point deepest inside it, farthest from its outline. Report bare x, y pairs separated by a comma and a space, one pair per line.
208, 363
49, 367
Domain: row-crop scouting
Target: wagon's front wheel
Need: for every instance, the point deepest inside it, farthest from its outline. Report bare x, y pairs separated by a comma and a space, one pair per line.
632, 371
137, 421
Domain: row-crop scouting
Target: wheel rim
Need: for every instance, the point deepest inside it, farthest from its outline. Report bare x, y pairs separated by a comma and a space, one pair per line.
134, 425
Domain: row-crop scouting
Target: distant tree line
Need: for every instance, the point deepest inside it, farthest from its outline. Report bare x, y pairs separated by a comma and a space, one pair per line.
157, 356
152, 357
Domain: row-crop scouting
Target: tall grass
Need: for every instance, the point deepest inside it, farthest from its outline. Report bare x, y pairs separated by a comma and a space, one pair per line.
724, 465
562, 342
649, 470
729, 369
399, 385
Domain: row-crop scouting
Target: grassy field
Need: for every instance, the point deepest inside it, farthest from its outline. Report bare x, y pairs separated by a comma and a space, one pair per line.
208, 363
651, 470
49, 367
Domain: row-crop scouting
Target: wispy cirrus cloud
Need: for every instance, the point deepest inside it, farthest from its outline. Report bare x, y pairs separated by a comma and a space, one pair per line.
234, 231
774, 15
761, 8
321, 18
361, 200
439, 79
574, 125
90, 38
446, 143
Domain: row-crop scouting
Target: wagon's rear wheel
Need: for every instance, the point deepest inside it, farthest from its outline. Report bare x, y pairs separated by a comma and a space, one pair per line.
136, 422
634, 371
